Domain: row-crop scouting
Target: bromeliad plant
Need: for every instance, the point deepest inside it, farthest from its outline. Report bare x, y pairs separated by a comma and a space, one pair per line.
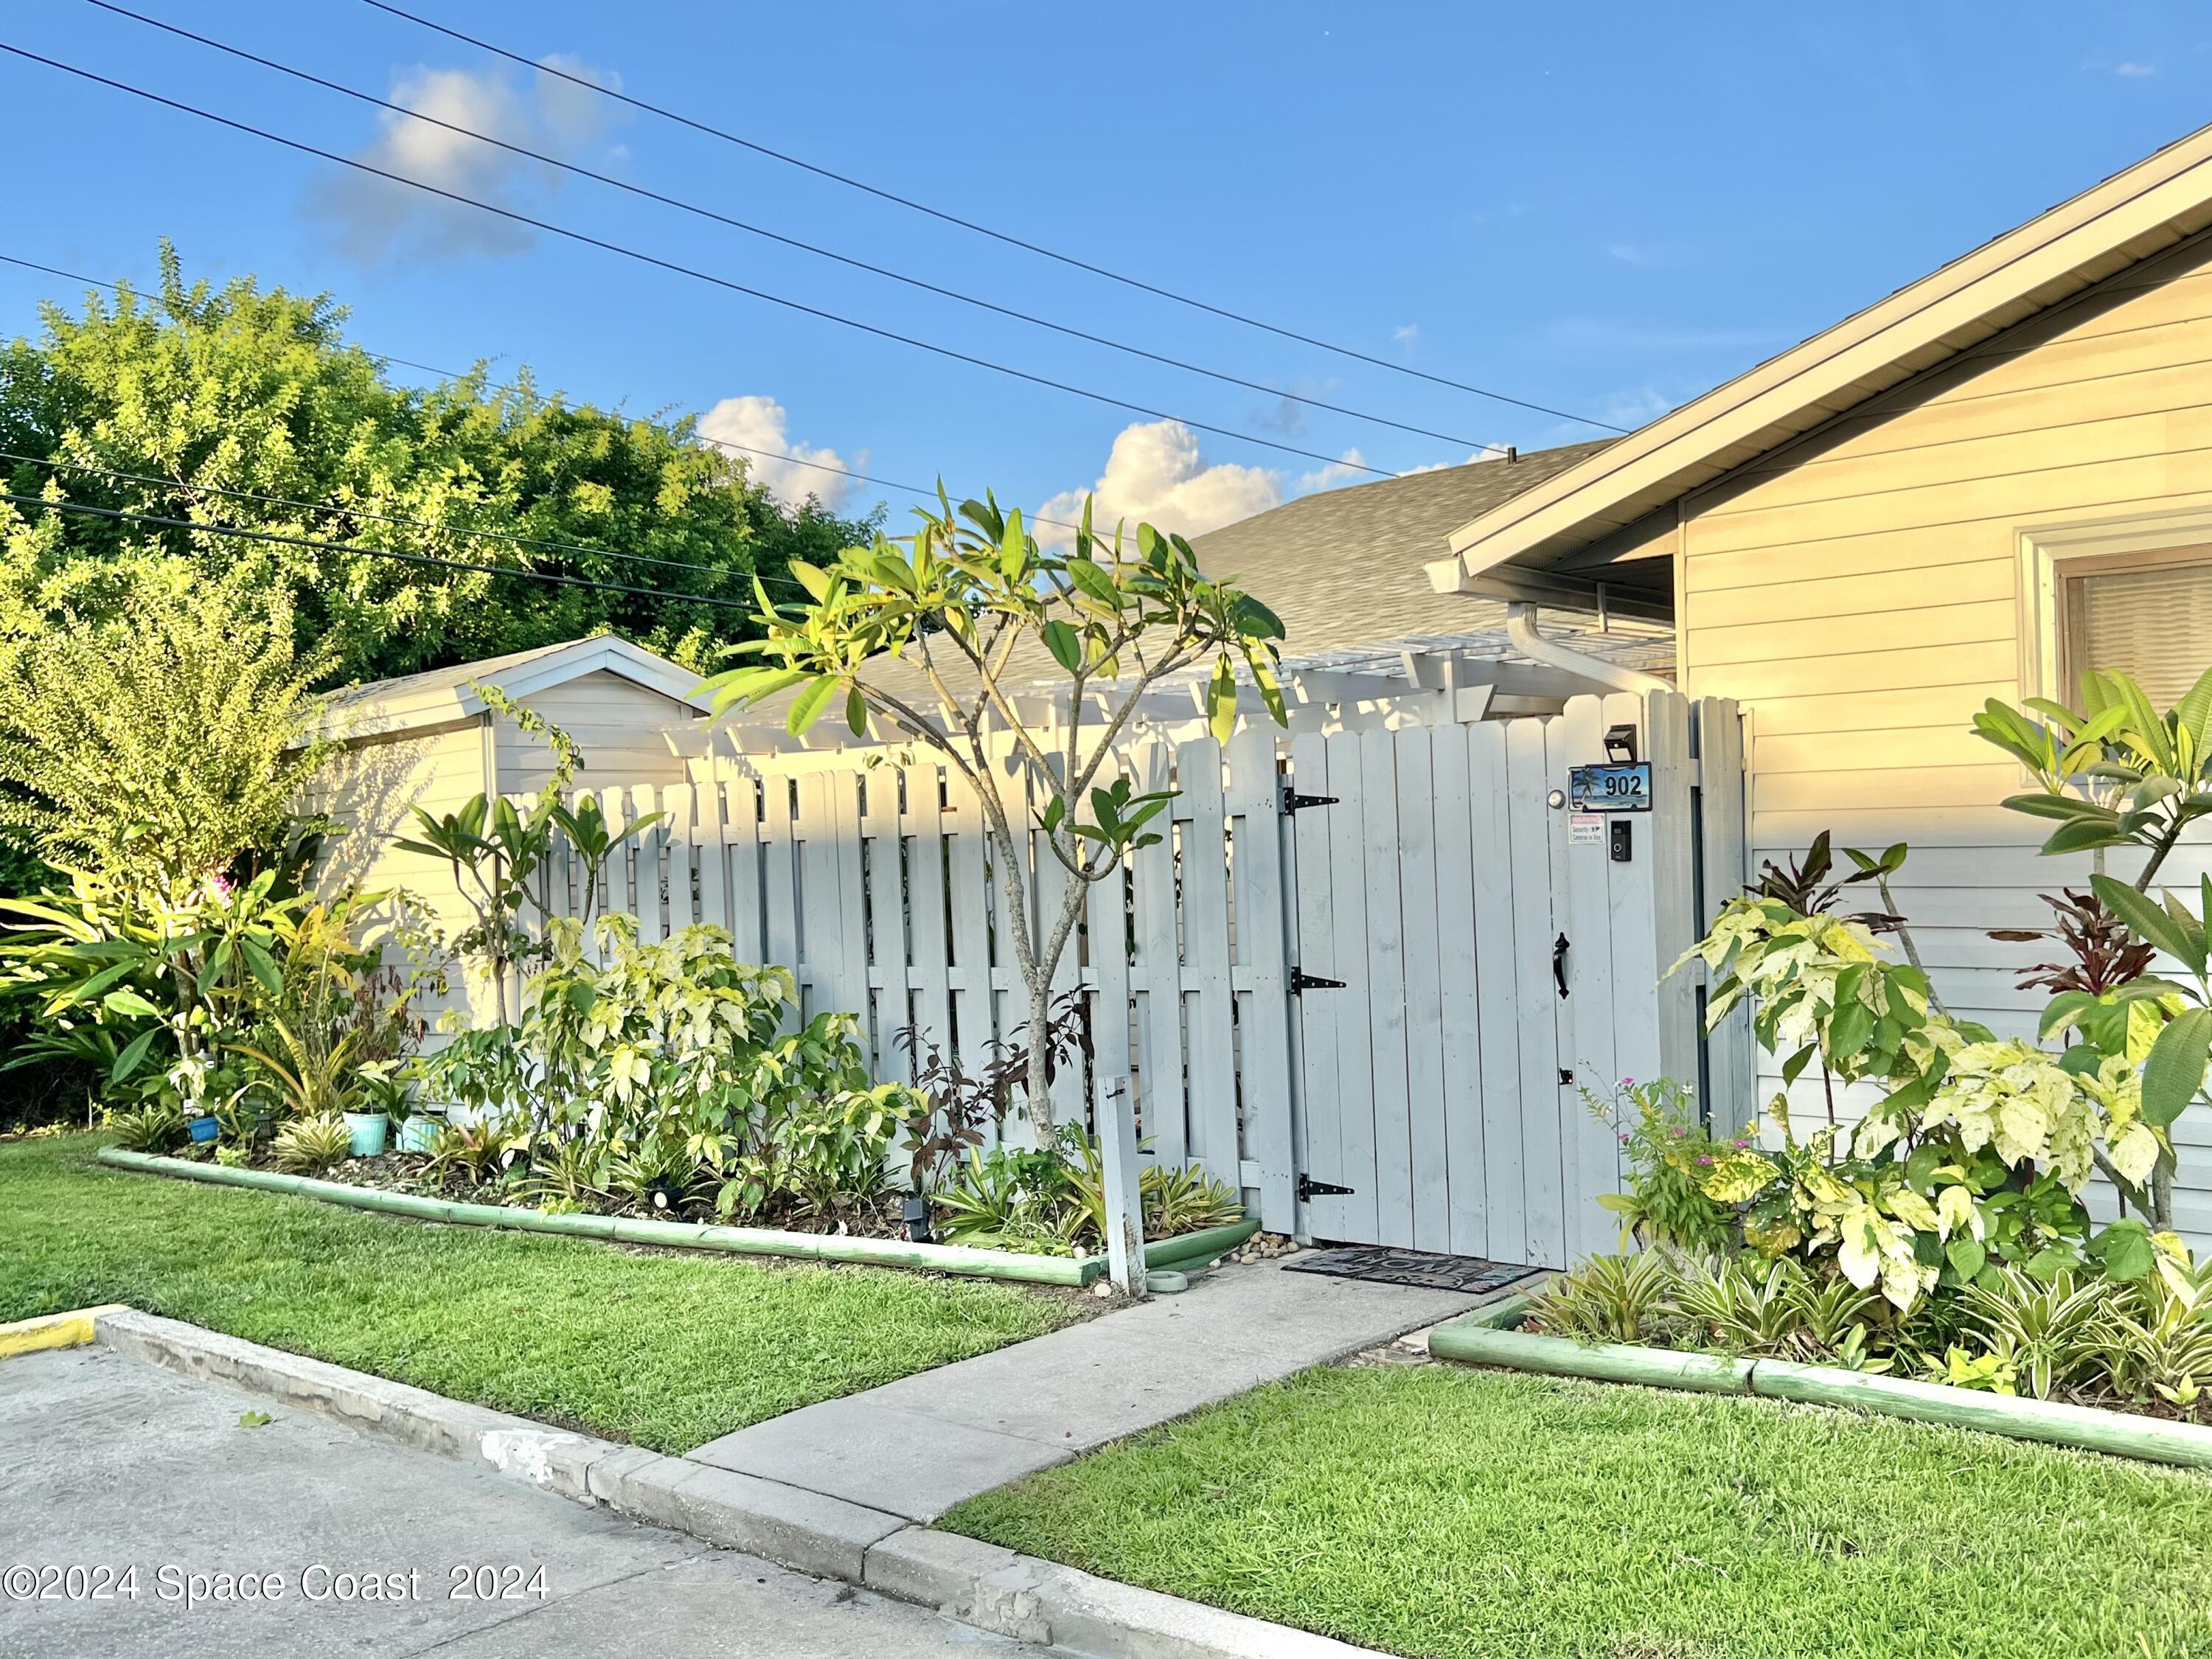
964, 602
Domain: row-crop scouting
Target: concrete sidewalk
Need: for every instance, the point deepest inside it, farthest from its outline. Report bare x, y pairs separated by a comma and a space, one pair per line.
917, 1446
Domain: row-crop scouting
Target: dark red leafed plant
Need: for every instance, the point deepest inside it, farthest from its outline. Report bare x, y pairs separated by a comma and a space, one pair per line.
2102, 955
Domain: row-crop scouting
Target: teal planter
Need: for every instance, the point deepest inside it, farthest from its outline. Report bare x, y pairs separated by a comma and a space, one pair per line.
369, 1129
201, 1129
417, 1132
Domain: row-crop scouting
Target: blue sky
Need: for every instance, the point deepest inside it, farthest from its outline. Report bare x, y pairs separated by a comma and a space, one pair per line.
1604, 209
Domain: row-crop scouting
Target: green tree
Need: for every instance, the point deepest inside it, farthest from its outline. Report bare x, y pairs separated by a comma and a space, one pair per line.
235, 388
160, 745
959, 599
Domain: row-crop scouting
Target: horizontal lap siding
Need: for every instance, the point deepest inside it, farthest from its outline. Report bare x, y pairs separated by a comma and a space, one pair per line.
621, 727
1859, 594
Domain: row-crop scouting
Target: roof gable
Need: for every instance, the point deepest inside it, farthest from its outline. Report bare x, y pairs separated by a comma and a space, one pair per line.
2129, 217
440, 696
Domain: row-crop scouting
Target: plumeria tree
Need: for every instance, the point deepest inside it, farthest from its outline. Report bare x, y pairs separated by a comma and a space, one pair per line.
958, 601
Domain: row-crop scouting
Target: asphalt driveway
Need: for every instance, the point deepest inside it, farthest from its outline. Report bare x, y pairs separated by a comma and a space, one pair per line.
139, 1515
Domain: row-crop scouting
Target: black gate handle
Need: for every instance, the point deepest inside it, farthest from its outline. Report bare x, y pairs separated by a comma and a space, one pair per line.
1560, 963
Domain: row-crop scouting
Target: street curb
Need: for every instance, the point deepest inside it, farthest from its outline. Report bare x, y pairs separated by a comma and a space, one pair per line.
72, 1329
979, 1585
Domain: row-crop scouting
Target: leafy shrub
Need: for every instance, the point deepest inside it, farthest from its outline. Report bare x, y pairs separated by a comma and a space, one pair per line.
1053, 1198
961, 1105
662, 1074
308, 1146
156, 1127
1672, 1161
478, 1153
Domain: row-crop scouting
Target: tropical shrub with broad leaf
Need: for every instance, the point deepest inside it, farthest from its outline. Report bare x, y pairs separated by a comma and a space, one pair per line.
1974, 1155
2114, 774
663, 1075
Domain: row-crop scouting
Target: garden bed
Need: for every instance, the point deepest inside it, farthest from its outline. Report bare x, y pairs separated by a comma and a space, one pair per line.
664, 1349
391, 1196
1453, 1513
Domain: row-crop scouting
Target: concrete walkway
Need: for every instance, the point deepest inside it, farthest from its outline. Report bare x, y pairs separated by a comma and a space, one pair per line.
917, 1446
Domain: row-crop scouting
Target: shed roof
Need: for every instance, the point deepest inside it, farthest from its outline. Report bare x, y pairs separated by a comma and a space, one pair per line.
1546, 541
439, 696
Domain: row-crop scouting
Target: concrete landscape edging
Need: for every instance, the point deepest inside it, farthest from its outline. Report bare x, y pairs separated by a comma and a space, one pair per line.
1181, 1253
980, 1584
1478, 1340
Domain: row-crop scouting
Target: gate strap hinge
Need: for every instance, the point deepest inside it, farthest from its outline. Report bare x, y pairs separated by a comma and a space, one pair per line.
1301, 980
1293, 801
1310, 1189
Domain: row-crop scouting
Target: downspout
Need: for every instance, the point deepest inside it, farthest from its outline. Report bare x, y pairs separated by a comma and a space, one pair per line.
1521, 629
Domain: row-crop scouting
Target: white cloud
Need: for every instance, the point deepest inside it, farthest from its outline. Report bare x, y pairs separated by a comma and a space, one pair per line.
1408, 334
372, 218
1154, 476
757, 431
1486, 452
1351, 468
2135, 71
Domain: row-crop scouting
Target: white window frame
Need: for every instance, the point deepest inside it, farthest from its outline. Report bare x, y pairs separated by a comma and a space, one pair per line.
2051, 553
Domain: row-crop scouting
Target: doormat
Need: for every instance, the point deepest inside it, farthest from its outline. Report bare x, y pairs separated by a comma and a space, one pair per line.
1469, 1274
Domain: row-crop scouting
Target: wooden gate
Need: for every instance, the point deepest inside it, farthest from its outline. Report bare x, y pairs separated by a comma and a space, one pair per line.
1471, 952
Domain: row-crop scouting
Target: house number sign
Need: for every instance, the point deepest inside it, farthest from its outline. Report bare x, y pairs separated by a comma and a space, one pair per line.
1610, 788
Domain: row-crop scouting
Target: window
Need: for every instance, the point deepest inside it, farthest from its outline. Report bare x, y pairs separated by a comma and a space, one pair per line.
2148, 614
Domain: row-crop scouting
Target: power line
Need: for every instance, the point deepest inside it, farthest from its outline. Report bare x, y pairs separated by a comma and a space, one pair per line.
720, 218
546, 543
315, 545
940, 215
681, 269
510, 386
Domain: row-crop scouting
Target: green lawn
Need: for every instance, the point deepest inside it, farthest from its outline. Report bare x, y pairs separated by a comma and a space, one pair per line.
667, 1350
1442, 1511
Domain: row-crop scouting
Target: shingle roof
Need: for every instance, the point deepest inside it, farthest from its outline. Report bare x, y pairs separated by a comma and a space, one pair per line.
1347, 566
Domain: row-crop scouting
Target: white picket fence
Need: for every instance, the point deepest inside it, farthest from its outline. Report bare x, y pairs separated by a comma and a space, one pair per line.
869, 871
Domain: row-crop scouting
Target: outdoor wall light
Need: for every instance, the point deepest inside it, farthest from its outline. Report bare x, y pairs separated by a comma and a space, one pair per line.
1621, 744
913, 1210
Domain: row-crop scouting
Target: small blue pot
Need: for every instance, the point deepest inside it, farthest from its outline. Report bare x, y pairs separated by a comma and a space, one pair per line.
201, 1129
368, 1131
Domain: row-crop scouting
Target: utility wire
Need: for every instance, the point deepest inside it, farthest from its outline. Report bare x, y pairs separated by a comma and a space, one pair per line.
718, 218
314, 544
510, 386
551, 545
940, 215
642, 258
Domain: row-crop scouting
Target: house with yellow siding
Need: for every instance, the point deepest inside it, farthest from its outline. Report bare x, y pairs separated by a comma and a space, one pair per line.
1976, 487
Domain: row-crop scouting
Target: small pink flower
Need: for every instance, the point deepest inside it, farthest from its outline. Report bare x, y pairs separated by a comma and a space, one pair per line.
1738, 1145
1678, 1134
1702, 1159
1628, 1083
219, 885
1623, 1137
